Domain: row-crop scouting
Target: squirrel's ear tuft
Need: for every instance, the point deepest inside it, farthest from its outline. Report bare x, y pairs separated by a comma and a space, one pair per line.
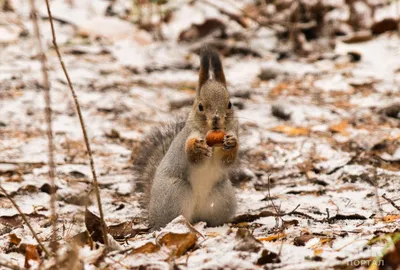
217, 68
210, 67
204, 73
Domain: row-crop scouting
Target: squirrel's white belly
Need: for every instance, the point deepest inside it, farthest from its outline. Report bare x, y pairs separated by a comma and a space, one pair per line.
203, 179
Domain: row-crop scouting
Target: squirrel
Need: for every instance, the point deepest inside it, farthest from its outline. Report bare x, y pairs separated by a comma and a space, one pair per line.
176, 169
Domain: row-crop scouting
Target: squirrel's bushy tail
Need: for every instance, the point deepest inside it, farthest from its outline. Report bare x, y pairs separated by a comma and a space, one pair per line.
150, 153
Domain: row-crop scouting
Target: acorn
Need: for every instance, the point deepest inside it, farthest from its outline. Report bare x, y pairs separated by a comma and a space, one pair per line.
214, 137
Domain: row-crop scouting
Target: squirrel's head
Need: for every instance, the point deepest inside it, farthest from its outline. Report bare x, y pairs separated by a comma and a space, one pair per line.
212, 106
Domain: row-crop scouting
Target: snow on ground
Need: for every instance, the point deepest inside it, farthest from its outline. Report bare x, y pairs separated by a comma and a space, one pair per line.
319, 150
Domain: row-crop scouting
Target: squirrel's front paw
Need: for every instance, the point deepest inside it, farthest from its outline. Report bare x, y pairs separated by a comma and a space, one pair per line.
230, 142
197, 149
201, 148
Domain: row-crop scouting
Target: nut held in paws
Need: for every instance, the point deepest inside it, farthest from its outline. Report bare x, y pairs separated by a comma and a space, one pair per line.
214, 137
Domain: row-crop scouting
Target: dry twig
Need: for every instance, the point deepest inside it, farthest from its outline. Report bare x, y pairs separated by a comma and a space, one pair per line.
78, 109
48, 114
378, 201
48, 254
277, 211
391, 202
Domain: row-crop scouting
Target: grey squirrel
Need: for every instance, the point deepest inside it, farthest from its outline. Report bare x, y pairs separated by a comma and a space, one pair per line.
178, 172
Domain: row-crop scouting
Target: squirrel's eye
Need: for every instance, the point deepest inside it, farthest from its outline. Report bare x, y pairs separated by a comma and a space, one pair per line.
201, 107
229, 105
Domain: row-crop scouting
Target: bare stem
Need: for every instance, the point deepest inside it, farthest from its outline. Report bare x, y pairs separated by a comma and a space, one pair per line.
48, 114
78, 109
277, 211
391, 202
48, 254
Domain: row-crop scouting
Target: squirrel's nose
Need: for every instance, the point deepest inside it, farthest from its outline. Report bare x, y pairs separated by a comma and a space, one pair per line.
216, 121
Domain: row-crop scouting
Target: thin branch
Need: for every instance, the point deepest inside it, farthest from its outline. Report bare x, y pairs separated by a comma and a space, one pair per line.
306, 215
48, 254
277, 211
48, 114
391, 202
78, 109
291, 212
378, 202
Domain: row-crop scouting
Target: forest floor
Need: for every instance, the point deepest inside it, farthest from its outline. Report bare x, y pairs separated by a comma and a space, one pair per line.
320, 181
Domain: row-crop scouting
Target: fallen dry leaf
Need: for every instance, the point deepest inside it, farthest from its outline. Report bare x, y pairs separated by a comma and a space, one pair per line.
391, 218
291, 131
318, 251
340, 128
387, 24
31, 253
272, 237
246, 241
213, 234
251, 217
179, 242
124, 230
302, 239
268, 257
279, 89
15, 240
149, 247
93, 225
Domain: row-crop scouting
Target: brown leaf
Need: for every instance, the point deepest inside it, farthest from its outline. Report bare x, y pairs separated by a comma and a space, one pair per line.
181, 242
272, 237
246, 241
279, 112
391, 218
279, 89
31, 253
14, 239
387, 24
251, 217
347, 217
303, 239
288, 223
149, 247
268, 257
124, 230
291, 131
361, 36
392, 110
93, 225
340, 128
13, 221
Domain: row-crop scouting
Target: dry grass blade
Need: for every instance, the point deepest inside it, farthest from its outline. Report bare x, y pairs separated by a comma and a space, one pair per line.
48, 254
48, 114
78, 109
